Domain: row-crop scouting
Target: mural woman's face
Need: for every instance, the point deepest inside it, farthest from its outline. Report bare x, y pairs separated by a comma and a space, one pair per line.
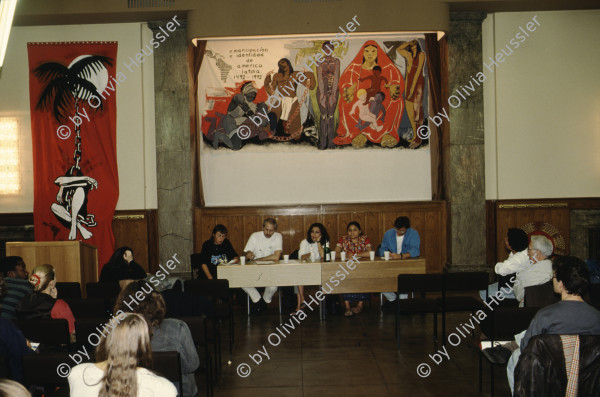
370, 53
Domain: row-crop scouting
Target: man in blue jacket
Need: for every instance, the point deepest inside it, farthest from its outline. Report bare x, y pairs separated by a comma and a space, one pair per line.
403, 242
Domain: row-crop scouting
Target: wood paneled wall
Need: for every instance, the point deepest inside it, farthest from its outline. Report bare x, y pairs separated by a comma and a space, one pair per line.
134, 228
428, 218
504, 214
139, 231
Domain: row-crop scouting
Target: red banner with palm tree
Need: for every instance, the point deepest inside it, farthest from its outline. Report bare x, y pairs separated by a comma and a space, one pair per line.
73, 127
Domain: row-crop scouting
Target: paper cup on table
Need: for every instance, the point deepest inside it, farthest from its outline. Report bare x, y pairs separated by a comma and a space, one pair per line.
386, 255
332, 256
286, 258
342, 256
372, 255
242, 260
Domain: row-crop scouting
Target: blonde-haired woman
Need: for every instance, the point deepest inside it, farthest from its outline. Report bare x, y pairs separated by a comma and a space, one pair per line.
10, 388
43, 303
122, 371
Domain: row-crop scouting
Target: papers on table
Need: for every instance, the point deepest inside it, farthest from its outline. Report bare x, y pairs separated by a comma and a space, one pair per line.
265, 262
486, 344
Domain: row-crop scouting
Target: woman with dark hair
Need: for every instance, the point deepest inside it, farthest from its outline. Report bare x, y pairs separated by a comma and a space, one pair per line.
122, 368
358, 75
354, 243
121, 266
42, 303
311, 249
166, 334
216, 251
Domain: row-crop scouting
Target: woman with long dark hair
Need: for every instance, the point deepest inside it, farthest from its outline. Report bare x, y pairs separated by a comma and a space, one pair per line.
311, 249
121, 266
121, 370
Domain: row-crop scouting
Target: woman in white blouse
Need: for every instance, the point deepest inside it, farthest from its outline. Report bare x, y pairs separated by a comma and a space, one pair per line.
311, 249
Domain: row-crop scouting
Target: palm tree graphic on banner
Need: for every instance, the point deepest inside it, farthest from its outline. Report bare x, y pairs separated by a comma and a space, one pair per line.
68, 88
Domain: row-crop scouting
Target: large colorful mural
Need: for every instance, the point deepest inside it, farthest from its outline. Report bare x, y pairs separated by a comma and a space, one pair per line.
359, 92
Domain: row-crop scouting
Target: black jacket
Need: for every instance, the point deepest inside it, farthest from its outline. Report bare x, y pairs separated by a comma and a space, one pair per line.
541, 368
36, 305
113, 273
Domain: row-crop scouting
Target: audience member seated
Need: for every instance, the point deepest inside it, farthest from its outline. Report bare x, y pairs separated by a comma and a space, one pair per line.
121, 266
124, 359
515, 243
402, 242
17, 286
10, 388
13, 344
354, 243
539, 268
266, 245
311, 249
570, 316
42, 303
166, 334
215, 251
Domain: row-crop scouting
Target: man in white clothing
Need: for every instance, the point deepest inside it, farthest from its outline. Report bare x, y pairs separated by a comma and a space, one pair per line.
539, 269
265, 245
515, 243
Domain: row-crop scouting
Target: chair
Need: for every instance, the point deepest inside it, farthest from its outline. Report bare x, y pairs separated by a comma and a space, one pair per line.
541, 370
106, 291
462, 281
42, 370
200, 329
502, 324
68, 290
195, 265
223, 308
168, 365
4, 367
87, 308
540, 295
418, 283
46, 331
102, 290
84, 327
594, 295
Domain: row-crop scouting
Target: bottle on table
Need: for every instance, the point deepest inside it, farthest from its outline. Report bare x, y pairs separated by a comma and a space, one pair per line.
327, 252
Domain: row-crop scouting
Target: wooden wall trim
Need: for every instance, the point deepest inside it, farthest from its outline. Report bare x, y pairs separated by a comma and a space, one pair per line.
501, 214
135, 228
429, 218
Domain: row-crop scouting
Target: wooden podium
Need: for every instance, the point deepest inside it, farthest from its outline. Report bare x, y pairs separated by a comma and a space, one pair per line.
72, 260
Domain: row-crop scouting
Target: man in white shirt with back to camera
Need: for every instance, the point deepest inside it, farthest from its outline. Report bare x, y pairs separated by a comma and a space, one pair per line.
515, 242
266, 245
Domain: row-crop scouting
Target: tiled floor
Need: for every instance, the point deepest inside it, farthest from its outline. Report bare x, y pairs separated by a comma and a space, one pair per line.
349, 357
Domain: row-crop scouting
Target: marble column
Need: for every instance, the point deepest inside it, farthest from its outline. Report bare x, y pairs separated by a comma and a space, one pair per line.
173, 156
465, 187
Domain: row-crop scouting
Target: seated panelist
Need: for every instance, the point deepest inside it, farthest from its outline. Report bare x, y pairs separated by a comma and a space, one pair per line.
402, 242
265, 245
215, 251
311, 249
354, 243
